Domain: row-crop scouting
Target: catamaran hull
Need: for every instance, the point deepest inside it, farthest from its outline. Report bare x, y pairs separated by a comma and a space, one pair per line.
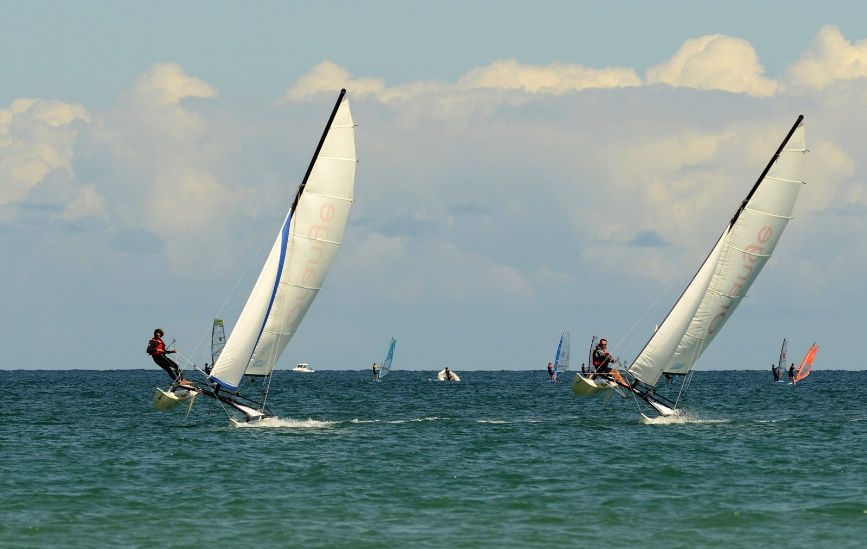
168, 400
584, 386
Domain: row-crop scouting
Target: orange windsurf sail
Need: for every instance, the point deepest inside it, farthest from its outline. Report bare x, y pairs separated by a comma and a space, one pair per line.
807, 364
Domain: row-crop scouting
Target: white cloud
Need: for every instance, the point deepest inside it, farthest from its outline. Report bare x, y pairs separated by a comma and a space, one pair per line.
553, 79
715, 62
502, 75
36, 138
86, 203
168, 84
829, 58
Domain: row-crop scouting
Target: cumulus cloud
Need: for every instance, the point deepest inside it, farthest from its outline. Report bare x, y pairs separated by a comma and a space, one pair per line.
86, 203
502, 75
829, 58
553, 79
36, 137
715, 62
168, 84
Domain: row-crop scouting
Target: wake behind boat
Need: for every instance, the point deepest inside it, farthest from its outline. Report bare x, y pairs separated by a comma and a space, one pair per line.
720, 284
293, 274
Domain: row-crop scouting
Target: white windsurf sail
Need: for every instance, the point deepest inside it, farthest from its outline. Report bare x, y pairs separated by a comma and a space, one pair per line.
389, 357
218, 339
300, 258
784, 356
731, 267
561, 356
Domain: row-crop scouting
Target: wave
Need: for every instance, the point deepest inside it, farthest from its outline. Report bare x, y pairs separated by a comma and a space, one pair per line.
680, 418
284, 423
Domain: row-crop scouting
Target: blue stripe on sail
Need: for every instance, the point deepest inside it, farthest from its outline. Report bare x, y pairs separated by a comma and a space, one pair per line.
284, 240
559, 348
223, 384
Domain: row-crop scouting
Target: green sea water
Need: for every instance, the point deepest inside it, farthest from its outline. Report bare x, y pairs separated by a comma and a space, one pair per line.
501, 459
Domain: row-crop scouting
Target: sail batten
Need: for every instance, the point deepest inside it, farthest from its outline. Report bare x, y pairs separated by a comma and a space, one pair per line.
730, 269
300, 258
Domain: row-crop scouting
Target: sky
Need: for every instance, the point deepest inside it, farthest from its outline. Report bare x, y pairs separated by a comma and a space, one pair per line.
524, 169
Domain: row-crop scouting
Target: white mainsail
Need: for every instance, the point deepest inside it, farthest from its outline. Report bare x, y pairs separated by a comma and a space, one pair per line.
300, 258
730, 268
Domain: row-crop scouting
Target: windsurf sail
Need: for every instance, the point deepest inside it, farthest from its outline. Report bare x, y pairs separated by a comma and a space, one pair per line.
561, 356
784, 356
807, 363
730, 268
218, 340
385, 366
301, 256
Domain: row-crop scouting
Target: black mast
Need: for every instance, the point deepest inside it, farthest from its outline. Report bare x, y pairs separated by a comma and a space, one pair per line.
767, 169
318, 148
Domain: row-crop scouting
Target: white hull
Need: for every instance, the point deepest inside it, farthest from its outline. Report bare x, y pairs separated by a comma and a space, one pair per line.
441, 376
586, 386
167, 400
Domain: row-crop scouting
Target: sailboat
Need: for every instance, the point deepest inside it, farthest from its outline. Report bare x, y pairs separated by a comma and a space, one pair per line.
561, 355
718, 286
781, 364
806, 364
290, 279
384, 367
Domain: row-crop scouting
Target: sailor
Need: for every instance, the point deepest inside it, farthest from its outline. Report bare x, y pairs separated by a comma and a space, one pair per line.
792, 373
668, 378
375, 369
601, 358
551, 373
776, 372
157, 350
448, 374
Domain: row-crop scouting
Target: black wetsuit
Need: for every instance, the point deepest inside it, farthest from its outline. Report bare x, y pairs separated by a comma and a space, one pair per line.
157, 350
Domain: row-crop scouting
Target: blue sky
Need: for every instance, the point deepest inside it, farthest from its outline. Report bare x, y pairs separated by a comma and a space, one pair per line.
524, 169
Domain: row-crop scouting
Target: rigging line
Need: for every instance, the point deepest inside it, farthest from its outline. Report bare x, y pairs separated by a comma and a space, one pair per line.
628, 340
682, 387
271, 373
233, 294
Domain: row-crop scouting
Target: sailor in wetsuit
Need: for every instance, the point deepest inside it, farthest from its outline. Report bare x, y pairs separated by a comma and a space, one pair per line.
157, 350
448, 374
375, 369
551, 373
601, 359
792, 373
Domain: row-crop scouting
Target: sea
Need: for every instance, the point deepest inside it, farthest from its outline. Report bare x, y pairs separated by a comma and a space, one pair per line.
499, 459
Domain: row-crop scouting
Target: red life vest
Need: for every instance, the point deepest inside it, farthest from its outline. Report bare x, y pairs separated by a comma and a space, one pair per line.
156, 346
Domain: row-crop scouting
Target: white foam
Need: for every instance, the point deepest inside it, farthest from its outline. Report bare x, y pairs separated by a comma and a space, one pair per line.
284, 423
679, 418
495, 421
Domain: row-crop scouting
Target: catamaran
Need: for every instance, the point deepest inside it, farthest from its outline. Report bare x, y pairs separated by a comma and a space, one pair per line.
718, 286
293, 274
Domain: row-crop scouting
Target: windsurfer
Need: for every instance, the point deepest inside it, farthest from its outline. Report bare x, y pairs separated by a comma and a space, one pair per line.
157, 350
551, 373
792, 373
448, 374
776, 372
602, 360
375, 369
